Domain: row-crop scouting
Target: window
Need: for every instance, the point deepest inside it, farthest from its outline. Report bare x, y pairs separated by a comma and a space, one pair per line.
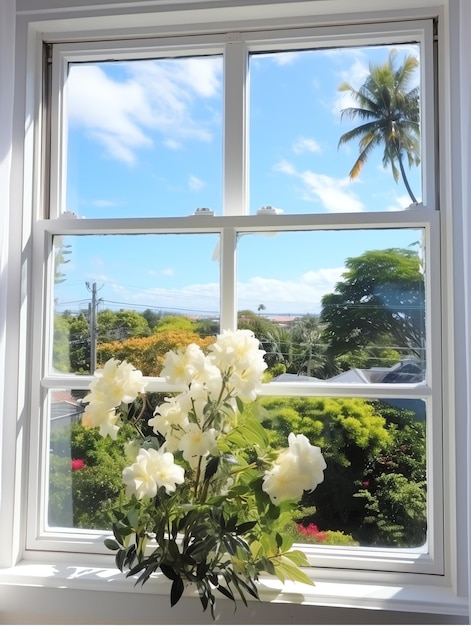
187, 191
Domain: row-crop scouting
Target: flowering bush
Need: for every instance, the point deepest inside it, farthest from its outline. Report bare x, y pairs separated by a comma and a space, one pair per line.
77, 464
207, 496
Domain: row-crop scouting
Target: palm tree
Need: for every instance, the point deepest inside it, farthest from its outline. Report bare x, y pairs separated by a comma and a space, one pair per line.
390, 112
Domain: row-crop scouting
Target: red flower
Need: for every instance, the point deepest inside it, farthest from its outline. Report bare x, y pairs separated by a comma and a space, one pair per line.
77, 464
312, 531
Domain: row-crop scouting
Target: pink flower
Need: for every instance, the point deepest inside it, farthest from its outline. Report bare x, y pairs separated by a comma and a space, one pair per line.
313, 532
77, 464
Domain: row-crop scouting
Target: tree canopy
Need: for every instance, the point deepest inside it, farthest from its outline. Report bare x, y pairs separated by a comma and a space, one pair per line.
380, 301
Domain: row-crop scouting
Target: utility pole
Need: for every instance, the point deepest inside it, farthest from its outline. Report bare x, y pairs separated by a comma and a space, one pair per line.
93, 325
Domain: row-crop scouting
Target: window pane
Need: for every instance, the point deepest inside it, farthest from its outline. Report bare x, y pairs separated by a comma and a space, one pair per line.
129, 290
84, 468
296, 124
144, 137
374, 489
336, 304
373, 494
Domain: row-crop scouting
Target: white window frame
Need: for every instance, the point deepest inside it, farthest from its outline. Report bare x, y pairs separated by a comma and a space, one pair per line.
442, 578
236, 50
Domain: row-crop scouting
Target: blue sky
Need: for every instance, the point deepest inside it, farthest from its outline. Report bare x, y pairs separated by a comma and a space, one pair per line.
145, 138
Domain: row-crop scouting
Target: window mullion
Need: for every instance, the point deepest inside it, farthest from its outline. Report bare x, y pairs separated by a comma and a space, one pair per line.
235, 122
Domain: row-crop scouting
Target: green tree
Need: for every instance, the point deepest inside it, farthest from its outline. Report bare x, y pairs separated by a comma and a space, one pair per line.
313, 357
379, 302
60, 254
121, 325
79, 341
152, 317
178, 323
61, 345
280, 347
83, 498
351, 434
374, 486
389, 111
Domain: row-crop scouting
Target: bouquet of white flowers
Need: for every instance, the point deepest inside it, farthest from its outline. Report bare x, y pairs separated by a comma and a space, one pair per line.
207, 497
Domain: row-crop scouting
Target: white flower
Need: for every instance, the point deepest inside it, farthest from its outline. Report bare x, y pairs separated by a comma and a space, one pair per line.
169, 415
152, 469
282, 481
197, 443
237, 350
118, 382
246, 381
311, 463
182, 366
194, 401
297, 469
99, 414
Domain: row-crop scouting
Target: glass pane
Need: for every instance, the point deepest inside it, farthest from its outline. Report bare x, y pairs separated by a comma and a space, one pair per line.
138, 293
144, 137
346, 306
84, 468
374, 488
304, 105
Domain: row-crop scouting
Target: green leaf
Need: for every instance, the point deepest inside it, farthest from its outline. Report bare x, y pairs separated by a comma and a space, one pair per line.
177, 591
111, 544
240, 404
297, 557
244, 527
226, 592
169, 572
286, 570
211, 467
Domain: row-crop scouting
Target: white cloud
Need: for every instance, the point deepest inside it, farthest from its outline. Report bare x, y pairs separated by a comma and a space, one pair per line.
400, 203
355, 76
196, 183
335, 194
298, 296
168, 272
306, 144
285, 167
153, 96
279, 58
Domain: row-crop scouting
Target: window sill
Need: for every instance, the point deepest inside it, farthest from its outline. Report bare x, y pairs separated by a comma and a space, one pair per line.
79, 575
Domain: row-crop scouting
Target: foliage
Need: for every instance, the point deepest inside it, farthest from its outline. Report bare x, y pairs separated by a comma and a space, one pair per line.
363, 442
82, 495
380, 301
207, 496
152, 318
312, 535
177, 323
121, 324
147, 353
260, 326
71, 346
394, 490
389, 110
368, 357
351, 434
60, 354
396, 511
